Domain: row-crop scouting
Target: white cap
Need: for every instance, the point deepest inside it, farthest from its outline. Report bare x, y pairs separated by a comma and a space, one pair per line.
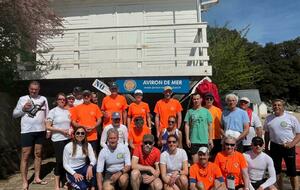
245, 99
138, 91
203, 149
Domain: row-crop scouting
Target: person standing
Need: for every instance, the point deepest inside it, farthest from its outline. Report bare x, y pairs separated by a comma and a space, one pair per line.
258, 163
255, 127
164, 108
114, 103
216, 114
283, 130
198, 129
33, 110
89, 116
138, 108
235, 121
116, 124
59, 123
77, 92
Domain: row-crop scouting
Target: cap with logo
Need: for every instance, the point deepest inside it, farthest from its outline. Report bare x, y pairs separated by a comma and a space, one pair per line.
148, 137
113, 85
77, 89
70, 95
115, 115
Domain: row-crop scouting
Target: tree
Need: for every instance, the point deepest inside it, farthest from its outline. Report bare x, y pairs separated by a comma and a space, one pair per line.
230, 57
24, 25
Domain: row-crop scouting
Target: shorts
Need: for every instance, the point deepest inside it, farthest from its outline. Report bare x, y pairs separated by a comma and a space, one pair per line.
195, 147
256, 184
279, 152
32, 138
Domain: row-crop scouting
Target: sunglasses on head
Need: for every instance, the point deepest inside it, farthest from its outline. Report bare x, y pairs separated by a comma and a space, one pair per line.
80, 133
229, 144
148, 142
172, 142
170, 121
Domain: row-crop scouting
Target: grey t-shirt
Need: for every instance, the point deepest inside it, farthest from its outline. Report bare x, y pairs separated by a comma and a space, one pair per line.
114, 160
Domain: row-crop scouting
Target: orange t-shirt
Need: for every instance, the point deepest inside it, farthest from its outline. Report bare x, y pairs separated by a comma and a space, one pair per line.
205, 175
87, 116
137, 136
136, 110
216, 114
110, 105
232, 164
165, 109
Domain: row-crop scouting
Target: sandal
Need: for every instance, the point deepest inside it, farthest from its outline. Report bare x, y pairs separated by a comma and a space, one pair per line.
40, 182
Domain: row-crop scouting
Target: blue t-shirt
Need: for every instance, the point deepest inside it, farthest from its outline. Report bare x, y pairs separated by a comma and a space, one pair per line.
235, 120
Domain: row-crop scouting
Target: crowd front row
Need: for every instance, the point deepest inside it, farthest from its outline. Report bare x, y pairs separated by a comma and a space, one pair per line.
148, 167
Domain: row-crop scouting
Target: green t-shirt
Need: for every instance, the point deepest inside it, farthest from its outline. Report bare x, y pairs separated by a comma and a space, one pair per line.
198, 120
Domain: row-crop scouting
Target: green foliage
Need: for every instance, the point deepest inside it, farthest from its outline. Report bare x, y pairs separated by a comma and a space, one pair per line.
281, 66
230, 57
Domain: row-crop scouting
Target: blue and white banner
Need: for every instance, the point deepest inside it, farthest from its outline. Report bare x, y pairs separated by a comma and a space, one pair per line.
154, 85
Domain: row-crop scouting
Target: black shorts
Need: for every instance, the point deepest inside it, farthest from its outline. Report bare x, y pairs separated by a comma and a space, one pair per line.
256, 184
279, 152
32, 138
195, 147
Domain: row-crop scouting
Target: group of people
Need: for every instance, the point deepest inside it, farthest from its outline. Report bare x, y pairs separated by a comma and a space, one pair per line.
226, 147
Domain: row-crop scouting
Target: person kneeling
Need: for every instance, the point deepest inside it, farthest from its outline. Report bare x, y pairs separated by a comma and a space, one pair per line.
116, 159
205, 175
145, 165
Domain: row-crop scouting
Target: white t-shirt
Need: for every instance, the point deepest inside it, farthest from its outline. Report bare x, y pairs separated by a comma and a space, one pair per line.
257, 167
114, 160
60, 118
32, 124
77, 102
255, 123
282, 129
77, 161
123, 134
173, 162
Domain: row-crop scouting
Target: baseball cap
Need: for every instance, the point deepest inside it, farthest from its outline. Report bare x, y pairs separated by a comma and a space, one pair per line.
77, 89
86, 92
148, 137
257, 140
208, 95
138, 91
113, 85
203, 150
168, 88
115, 115
245, 99
70, 95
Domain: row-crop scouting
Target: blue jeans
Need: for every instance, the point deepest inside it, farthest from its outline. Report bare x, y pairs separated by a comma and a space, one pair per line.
84, 184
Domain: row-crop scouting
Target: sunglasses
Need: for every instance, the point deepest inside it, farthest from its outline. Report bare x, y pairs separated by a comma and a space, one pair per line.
171, 121
80, 133
148, 142
117, 119
61, 99
258, 144
229, 144
172, 142
210, 99
71, 98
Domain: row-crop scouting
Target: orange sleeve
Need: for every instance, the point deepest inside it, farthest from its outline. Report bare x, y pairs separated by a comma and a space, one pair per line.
147, 108
73, 112
156, 109
243, 161
103, 104
129, 110
130, 136
193, 174
179, 107
98, 112
217, 171
217, 160
125, 105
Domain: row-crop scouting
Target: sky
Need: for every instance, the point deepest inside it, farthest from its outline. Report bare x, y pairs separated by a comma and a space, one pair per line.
270, 20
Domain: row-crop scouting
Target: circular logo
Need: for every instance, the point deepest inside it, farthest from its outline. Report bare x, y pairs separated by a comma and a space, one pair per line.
129, 85
283, 124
